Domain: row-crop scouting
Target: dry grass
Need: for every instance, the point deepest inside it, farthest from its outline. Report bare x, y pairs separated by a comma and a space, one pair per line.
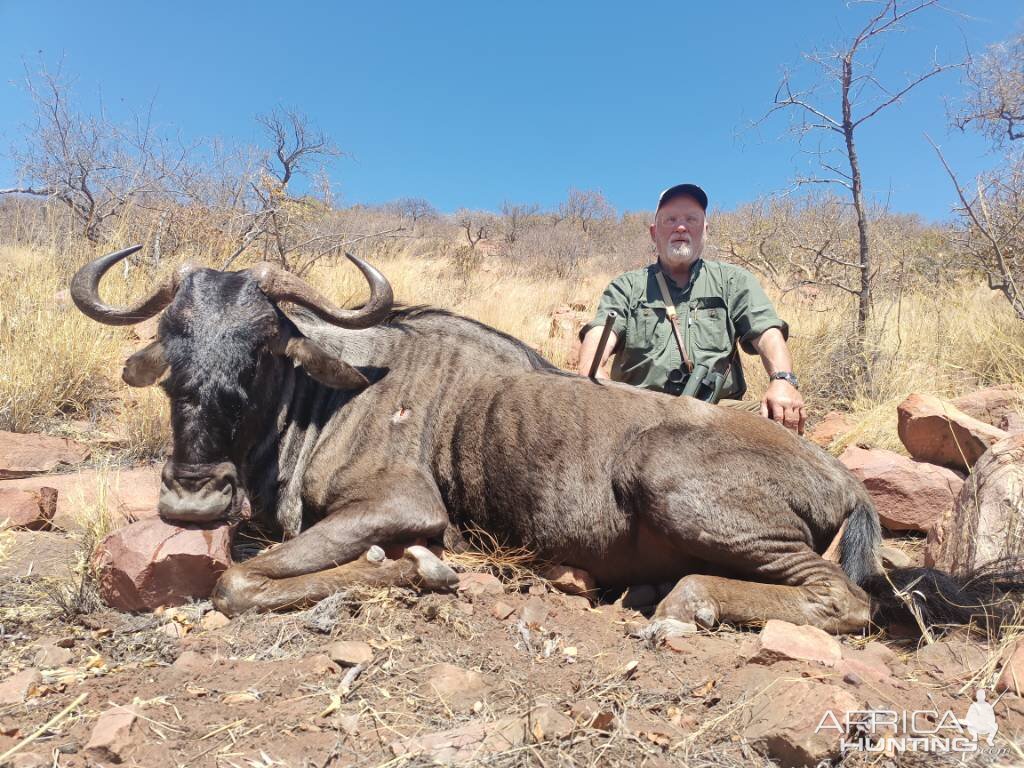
56, 365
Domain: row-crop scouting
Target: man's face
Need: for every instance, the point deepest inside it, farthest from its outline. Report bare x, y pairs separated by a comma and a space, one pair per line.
678, 232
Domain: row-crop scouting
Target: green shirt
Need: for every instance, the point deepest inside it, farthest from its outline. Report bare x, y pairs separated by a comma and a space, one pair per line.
722, 304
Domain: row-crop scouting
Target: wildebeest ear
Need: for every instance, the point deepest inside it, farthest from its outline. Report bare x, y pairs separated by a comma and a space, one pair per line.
146, 366
326, 368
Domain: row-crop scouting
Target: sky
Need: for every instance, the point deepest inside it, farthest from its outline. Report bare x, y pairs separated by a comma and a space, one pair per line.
471, 104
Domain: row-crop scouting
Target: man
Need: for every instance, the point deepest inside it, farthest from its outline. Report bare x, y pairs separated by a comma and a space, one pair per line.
717, 304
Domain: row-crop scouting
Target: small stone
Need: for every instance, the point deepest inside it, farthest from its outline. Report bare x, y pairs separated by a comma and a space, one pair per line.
214, 620
852, 678
16, 688
533, 613
473, 743
589, 714
780, 640
52, 656
192, 662
544, 723
375, 554
111, 736
502, 610
476, 584
457, 688
173, 630
833, 425
350, 653
894, 558
537, 590
318, 665
571, 581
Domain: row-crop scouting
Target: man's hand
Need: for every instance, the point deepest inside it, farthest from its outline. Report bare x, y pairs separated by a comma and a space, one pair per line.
782, 402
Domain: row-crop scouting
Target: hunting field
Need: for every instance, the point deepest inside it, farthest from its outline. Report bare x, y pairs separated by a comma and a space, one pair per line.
536, 677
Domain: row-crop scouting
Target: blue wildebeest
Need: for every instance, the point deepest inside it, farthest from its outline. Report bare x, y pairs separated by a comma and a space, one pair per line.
389, 426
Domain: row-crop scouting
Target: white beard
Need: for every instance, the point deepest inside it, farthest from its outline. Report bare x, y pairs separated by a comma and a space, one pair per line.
681, 254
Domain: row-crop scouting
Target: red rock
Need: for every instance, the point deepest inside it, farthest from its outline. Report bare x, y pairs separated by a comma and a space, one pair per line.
459, 689
472, 743
589, 714
571, 581
28, 510
984, 524
990, 405
785, 723
318, 665
16, 688
128, 495
476, 584
833, 426
545, 723
111, 736
1011, 678
502, 610
864, 667
152, 563
192, 662
534, 612
936, 431
780, 640
350, 653
214, 620
23, 455
50, 655
909, 495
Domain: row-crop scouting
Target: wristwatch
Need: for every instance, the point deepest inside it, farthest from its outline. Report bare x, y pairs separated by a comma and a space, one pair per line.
786, 376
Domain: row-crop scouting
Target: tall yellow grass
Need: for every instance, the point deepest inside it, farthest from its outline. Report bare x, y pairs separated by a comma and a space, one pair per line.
56, 365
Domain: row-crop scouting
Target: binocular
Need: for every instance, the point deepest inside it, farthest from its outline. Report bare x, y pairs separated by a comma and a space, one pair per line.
701, 383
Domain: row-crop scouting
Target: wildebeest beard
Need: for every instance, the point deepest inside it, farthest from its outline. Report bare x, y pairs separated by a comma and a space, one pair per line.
216, 335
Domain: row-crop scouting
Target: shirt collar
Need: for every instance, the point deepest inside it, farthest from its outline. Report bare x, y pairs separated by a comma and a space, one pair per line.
694, 271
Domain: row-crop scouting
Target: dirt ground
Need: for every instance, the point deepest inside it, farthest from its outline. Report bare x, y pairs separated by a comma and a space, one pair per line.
261, 690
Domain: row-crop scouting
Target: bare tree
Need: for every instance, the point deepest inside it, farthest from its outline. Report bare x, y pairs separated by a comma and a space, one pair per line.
514, 218
585, 207
862, 96
295, 230
93, 166
991, 218
478, 225
413, 208
994, 103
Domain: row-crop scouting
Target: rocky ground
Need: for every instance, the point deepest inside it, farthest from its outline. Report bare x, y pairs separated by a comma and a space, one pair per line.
505, 671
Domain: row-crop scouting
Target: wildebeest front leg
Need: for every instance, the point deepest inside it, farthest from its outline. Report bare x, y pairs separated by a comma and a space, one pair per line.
394, 509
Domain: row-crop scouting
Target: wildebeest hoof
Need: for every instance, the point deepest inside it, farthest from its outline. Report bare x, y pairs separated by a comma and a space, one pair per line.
705, 616
433, 574
375, 554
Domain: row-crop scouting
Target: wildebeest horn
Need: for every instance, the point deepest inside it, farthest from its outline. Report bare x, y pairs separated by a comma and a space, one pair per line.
85, 291
284, 286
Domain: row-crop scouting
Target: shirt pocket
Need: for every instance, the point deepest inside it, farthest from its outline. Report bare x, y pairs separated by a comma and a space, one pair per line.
709, 330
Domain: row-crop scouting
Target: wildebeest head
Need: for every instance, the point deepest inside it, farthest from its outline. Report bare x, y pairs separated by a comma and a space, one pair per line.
219, 334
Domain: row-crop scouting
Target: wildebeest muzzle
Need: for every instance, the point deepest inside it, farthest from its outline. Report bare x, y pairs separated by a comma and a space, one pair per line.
198, 493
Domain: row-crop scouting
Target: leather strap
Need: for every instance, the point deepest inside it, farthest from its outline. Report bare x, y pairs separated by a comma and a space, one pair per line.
673, 318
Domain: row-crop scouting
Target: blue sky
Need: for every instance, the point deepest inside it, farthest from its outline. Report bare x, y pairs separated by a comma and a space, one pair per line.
471, 104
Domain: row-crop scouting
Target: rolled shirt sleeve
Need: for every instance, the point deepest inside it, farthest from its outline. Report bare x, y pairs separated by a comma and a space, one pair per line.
752, 311
615, 297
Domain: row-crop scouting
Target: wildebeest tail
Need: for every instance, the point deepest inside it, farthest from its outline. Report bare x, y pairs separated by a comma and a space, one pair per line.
858, 548
987, 596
